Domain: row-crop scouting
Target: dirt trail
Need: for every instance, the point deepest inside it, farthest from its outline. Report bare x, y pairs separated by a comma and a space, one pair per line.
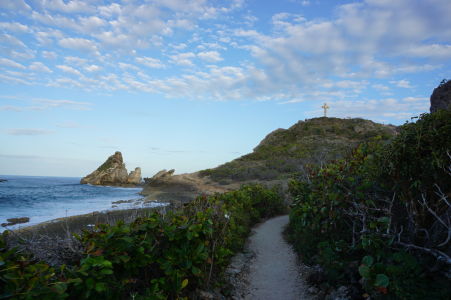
274, 273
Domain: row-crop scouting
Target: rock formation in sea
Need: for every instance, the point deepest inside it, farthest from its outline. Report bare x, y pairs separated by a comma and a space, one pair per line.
113, 172
441, 96
135, 176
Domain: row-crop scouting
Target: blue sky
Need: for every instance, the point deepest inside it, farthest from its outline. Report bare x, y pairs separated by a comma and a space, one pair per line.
193, 84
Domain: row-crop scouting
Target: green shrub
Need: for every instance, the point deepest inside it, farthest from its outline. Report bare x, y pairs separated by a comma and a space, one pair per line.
23, 278
384, 208
161, 256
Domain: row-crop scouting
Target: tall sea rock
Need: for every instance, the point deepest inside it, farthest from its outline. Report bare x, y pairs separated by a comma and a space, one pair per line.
113, 172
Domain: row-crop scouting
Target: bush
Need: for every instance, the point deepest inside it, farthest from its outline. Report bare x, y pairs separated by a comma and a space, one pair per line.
381, 215
160, 256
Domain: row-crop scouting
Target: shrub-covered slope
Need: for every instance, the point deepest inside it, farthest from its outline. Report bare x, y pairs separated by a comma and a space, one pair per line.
286, 152
380, 218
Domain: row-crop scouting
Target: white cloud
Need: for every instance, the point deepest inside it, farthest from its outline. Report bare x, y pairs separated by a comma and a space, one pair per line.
415, 99
125, 66
11, 40
68, 104
71, 6
74, 60
402, 84
39, 67
183, 59
150, 62
69, 70
434, 50
79, 44
110, 10
375, 109
10, 63
28, 131
14, 27
93, 68
49, 54
380, 87
11, 108
210, 56
15, 5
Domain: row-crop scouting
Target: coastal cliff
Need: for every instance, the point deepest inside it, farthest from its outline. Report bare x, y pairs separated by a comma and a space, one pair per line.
113, 172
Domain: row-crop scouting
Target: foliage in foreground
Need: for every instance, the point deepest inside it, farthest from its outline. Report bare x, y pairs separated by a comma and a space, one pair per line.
381, 217
162, 256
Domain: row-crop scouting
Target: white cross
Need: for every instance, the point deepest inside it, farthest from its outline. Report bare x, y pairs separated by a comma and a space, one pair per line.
326, 107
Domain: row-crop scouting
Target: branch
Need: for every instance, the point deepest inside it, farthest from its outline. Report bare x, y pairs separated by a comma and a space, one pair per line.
438, 254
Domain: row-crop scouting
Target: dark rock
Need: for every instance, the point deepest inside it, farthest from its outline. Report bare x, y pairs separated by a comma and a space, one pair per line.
339, 294
317, 276
14, 221
3, 180
441, 96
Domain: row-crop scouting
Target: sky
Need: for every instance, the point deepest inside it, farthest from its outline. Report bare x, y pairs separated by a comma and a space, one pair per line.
191, 84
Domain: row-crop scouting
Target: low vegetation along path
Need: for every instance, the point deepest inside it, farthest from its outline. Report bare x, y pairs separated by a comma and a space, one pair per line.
274, 273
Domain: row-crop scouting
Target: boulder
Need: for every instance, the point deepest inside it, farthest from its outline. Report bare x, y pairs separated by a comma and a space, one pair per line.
113, 172
135, 176
441, 96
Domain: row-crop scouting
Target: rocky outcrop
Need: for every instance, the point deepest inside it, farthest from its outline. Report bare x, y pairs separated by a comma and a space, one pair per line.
14, 221
161, 175
113, 172
135, 176
441, 96
3, 180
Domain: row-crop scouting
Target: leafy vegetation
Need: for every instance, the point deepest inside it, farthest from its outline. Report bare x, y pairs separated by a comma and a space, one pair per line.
161, 256
381, 216
287, 152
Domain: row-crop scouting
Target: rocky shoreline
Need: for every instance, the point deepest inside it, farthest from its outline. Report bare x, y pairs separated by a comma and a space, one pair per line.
75, 224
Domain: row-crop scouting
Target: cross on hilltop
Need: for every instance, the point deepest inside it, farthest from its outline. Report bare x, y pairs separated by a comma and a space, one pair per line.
325, 107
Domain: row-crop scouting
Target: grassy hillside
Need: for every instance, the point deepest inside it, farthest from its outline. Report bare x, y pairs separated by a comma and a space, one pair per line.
286, 152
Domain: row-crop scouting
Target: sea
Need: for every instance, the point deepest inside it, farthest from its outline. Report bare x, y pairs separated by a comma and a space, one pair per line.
47, 198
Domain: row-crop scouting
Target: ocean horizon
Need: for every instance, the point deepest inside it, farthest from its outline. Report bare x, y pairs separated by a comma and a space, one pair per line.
45, 198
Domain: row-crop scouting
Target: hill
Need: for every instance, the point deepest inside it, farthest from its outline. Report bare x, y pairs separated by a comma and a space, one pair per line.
287, 152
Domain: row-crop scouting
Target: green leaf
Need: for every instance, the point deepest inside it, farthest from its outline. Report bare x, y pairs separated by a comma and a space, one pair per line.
368, 260
89, 283
184, 283
384, 220
100, 287
60, 287
382, 280
364, 271
106, 272
196, 271
74, 280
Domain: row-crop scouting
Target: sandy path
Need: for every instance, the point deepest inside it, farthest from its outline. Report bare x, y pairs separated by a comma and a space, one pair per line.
274, 273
